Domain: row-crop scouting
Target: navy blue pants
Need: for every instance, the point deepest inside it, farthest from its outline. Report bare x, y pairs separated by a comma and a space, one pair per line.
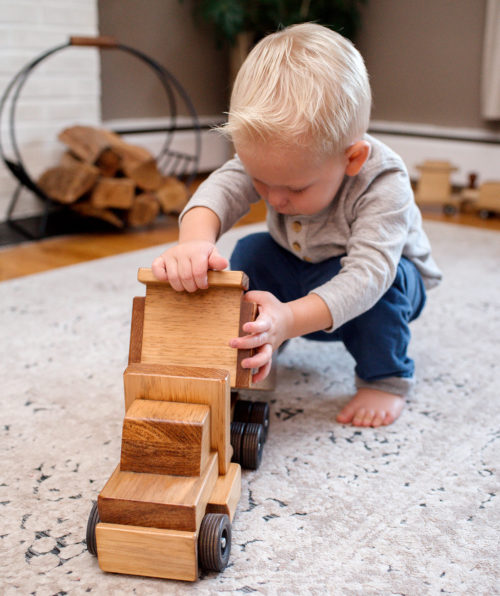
377, 339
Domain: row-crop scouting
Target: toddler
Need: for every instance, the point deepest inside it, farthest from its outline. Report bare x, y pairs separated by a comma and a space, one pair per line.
345, 258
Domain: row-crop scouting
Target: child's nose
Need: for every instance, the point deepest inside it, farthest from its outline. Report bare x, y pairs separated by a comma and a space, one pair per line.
277, 197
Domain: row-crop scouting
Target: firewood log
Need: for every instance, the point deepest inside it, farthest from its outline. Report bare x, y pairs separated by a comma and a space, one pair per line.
86, 142
86, 209
66, 184
172, 195
113, 192
131, 156
69, 159
108, 162
146, 175
144, 210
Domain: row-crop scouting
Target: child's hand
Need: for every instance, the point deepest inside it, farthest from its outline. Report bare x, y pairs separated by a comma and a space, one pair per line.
186, 264
269, 330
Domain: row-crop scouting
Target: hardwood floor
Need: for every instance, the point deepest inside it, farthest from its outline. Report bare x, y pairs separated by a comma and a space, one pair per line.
42, 255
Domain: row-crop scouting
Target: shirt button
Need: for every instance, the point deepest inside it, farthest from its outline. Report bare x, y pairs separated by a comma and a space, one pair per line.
296, 226
296, 246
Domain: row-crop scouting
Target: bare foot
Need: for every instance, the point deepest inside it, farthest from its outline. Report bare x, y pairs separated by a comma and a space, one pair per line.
371, 407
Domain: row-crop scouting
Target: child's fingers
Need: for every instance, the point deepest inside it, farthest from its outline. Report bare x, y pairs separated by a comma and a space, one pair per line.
200, 272
216, 261
261, 324
262, 357
173, 274
159, 269
261, 373
249, 342
186, 277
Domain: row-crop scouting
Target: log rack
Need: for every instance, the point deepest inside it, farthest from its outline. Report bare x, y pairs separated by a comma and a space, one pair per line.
183, 165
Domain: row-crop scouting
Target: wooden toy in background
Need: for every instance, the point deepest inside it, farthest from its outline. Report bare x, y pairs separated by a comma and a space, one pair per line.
434, 186
103, 176
485, 199
168, 506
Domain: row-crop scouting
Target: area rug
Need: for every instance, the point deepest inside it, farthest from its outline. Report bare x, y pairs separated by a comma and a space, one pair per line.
411, 508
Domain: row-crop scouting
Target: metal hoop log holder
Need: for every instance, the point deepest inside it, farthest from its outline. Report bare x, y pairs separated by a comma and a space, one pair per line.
170, 162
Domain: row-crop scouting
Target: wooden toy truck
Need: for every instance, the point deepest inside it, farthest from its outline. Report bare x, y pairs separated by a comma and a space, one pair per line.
434, 186
485, 199
168, 506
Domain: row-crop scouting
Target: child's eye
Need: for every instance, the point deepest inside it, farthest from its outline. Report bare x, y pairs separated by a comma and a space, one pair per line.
297, 191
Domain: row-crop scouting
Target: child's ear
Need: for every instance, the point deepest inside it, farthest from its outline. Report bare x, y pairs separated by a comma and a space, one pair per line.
356, 155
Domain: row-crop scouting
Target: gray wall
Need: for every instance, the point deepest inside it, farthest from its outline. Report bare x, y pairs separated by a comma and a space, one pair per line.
166, 31
424, 59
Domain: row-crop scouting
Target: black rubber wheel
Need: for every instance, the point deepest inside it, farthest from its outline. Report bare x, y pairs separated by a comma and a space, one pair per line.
449, 209
251, 446
242, 410
260, 415
214, 542
90, 538
237, 431
484, 213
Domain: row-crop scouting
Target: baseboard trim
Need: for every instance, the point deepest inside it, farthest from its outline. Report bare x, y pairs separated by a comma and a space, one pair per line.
467, 149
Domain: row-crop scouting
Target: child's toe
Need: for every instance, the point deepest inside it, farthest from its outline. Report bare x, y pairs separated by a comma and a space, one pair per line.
378, 419
346, 414
368, 418
358, 417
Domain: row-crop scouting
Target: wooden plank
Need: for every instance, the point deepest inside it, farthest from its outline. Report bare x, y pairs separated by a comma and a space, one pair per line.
227, 492
248, 312
191, 329
226, 279
136, 328
158, 500
187, 384
147, 551
161, 437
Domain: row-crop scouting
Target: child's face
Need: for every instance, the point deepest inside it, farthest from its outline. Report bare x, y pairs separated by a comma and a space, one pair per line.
291, 180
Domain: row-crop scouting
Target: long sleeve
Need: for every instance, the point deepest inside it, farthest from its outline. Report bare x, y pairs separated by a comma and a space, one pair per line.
228, 192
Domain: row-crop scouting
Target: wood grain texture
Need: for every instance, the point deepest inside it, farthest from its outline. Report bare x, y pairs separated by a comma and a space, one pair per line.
161, 437
147, 551
156, 500
66, 184
227, 492
191, 329
248, 312
136, 329
223, 279
187, 384
113, 192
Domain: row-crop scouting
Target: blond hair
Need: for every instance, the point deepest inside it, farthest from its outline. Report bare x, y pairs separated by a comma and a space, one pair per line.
303, 84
